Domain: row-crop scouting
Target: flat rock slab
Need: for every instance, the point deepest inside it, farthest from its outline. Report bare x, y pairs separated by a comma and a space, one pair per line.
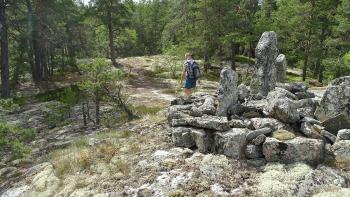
205, 122
299, 149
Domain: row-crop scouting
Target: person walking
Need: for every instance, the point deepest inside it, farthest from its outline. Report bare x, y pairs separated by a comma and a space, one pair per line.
191, 74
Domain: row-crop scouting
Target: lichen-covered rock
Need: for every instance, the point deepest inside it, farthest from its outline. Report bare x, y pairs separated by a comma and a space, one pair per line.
258, 123
306, 107
204, 140
281, 106
206, 122
266, 52
231, 143
208, 106
227, 92
309, 130
259, 140
293, 87
342, 153
255, 133
283, 135
243, 92
253, 152
182, 137
178, 111
335, 100
284, 110
328, 135
281, 68
336, 123
343, 134
238, 124
298, 149
320, 179
305, 95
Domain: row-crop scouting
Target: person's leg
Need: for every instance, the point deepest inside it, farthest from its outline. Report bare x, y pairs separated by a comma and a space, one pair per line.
188, 92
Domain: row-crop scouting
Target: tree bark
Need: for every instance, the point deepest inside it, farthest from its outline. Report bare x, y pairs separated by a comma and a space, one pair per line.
233, 55
5, 73
111, 39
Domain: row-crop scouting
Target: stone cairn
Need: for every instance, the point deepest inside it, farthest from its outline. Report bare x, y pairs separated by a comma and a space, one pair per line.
268, 121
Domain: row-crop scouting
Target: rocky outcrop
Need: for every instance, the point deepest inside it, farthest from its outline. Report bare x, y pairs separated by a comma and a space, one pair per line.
298, 149
264, 79
336, 100
227, 93
206, 122
281, 68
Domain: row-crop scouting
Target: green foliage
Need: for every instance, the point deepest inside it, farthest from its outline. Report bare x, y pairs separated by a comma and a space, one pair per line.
55, 114
347, 59
9, 105
12, 139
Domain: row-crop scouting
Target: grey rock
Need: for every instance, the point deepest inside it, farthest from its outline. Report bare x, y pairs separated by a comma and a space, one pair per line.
310, 120
306, 107
281, 68
243, 92
206, 122
342, 153
343, 134
310, 131
284, 110
253, 152
182, 137
203, 140
259, 140
298, 149
208, 106
255, 133
272, 123
335, 100
177, 111
293, 87
328, 135
238, 124
276, 94
231, 143
227, 92
264, 79
255, 105
336, 123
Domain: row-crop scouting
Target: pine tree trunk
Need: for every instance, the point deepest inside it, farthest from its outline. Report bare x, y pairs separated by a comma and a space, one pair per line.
5, 73
111, 39
233, 54
97, 107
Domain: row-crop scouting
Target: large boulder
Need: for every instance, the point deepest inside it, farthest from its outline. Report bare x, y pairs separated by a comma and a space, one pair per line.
231, 143
342, 153
208, 107
227, 93
206, 122
298, 149
281, 68
337, 123
336, 100
306, 107
266, 52
178, 111
203, 140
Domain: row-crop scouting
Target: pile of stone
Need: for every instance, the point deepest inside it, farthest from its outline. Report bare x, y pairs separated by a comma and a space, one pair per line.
269, 120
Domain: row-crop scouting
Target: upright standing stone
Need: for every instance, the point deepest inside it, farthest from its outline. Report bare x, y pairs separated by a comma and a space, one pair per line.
227, 92
281, 68
264, 80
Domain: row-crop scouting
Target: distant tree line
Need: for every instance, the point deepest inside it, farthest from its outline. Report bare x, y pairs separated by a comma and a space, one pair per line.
46, 37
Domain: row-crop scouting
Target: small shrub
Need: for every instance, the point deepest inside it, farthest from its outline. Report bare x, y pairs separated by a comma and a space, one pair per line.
13, 139
56, 114
9, 105
106, 151
121, 166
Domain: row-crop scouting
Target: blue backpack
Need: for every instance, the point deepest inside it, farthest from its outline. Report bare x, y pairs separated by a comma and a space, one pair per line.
192, 70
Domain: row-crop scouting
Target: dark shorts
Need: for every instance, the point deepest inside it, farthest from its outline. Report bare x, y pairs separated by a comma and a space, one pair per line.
190, 83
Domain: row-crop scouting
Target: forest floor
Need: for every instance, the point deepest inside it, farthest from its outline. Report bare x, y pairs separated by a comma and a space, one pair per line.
133, 158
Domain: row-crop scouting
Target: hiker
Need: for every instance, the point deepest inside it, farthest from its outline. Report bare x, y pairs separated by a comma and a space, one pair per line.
190, 74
